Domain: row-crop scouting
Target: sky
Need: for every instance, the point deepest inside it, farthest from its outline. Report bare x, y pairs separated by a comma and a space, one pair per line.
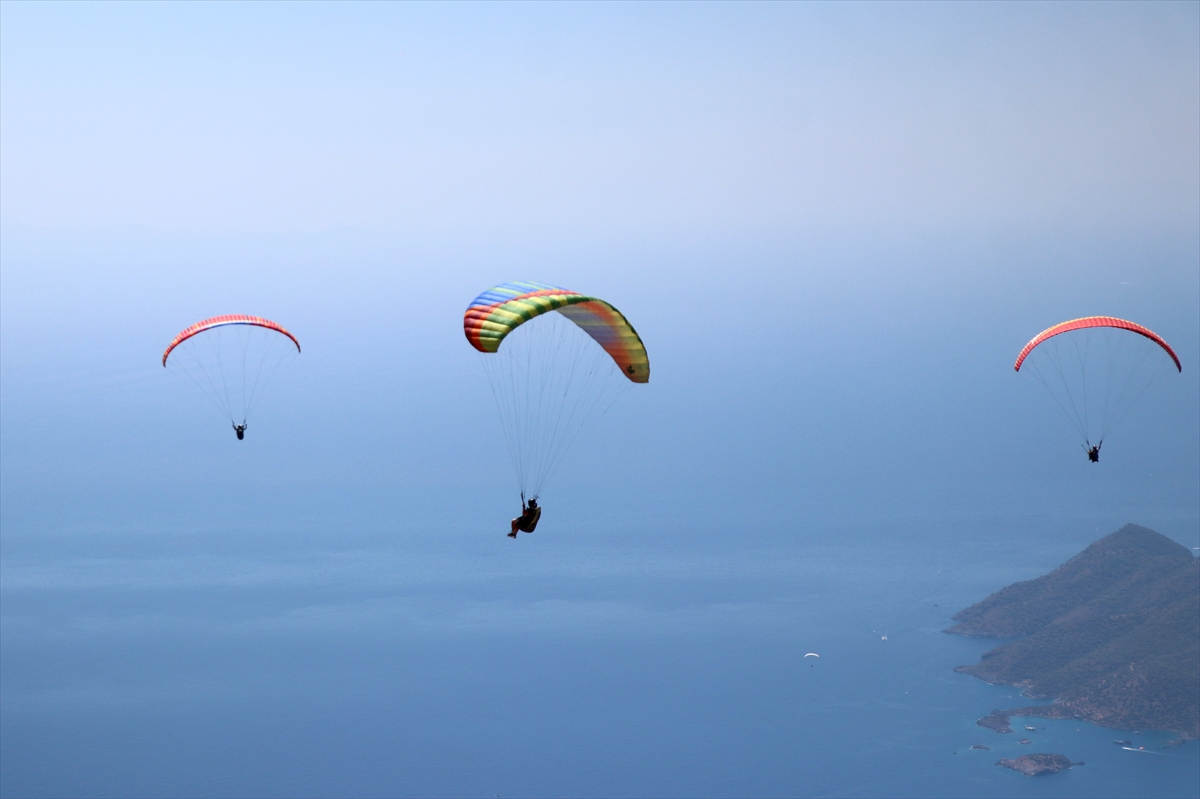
833, 225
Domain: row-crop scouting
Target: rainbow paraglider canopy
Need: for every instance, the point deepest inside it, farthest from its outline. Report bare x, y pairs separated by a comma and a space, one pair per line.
502, 309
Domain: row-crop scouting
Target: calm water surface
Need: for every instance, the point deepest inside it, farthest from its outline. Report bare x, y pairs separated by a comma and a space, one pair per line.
571, 663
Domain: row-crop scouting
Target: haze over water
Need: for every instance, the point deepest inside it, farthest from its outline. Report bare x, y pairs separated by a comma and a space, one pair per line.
833, 226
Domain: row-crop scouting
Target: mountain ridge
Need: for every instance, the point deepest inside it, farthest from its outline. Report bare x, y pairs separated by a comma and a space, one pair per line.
1113, 635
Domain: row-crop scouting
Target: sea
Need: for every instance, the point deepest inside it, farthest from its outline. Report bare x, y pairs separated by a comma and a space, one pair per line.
663, 657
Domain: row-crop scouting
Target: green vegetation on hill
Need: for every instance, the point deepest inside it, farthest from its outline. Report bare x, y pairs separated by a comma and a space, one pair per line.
1113, 634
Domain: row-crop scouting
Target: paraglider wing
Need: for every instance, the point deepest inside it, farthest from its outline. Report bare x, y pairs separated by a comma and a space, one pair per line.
227, 319
812, 655
1095, 321
500, 310
231, 359
547, 374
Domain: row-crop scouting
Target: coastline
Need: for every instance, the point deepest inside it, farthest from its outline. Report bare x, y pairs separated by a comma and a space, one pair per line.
1108, 637
999, 720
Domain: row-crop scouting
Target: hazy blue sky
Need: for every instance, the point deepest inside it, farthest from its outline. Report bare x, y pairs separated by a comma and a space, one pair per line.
834, 226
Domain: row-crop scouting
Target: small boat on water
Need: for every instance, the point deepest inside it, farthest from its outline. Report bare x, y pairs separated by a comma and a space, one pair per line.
1030, 727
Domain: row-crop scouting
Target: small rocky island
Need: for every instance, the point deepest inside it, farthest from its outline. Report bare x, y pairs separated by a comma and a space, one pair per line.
1112, 635
1033, 765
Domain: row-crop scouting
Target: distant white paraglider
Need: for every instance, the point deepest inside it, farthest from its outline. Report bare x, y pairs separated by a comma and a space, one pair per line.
812, 655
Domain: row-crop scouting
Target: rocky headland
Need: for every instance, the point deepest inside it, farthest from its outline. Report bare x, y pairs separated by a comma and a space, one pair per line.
1112, 635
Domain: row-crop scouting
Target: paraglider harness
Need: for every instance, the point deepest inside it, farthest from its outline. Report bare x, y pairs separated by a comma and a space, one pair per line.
528, 520
1093, 453
240, 429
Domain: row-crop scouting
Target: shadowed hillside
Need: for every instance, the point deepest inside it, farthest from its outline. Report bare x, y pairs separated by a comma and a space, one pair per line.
1113, 635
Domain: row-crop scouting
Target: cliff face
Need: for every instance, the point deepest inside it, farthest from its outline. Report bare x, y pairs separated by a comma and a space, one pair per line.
1113, 634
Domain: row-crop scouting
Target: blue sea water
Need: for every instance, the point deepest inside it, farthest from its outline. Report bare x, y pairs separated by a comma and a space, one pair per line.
573, 662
